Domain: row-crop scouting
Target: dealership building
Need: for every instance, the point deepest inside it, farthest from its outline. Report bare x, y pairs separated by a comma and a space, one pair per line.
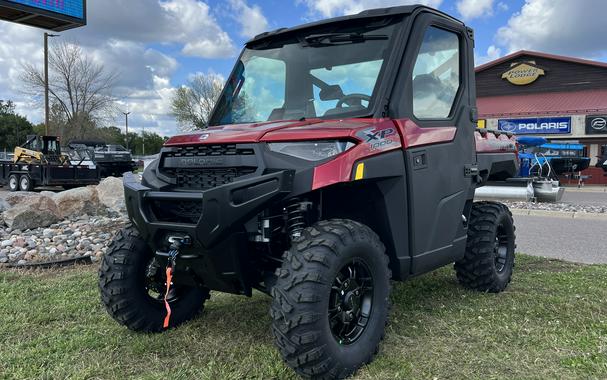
560, 98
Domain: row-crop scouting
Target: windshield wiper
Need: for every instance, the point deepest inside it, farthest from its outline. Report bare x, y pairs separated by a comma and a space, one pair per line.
329, 39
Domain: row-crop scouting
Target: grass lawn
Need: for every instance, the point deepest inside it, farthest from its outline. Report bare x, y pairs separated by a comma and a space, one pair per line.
550, 323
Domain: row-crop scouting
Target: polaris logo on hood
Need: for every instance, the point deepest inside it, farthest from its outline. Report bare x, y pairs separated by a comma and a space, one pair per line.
200, 162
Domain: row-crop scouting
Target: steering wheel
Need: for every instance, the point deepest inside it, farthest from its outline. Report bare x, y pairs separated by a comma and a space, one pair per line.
353, 100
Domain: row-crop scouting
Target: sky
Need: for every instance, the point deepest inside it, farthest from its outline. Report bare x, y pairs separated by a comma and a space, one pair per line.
156, 45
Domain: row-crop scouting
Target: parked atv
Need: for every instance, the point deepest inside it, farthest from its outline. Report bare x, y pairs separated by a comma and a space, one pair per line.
341, 155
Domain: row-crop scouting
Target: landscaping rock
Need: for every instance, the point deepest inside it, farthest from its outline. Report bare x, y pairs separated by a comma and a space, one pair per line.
77, 202
29, 211
111, 194
72, 238
3, 205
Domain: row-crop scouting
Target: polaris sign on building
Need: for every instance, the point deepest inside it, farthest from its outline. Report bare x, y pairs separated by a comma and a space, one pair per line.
536, 126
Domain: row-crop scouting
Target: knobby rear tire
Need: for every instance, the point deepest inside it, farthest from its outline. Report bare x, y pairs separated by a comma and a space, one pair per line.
489, 259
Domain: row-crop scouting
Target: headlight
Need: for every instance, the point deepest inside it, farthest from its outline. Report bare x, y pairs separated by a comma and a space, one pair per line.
312, 150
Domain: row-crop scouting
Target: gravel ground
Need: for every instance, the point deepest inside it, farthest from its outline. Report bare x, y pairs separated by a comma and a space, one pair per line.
563, 207
70, 239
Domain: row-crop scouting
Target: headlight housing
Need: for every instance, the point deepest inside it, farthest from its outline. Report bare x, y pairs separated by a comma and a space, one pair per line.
312, 150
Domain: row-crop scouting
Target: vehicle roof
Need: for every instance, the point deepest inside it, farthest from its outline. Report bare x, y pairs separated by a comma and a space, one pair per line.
379, 12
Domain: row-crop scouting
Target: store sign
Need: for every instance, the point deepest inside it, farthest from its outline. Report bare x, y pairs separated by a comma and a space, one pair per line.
536, 126
71, 8
57, 15
596, 125
523, 73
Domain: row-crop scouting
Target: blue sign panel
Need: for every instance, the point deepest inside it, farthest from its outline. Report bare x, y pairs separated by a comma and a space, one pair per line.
71, 8
536, 126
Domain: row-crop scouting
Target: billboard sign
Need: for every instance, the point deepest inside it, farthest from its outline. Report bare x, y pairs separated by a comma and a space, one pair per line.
596, 125
523, 73
48, 14
536, 126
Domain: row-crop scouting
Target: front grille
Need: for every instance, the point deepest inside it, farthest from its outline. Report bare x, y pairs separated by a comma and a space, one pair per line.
177, 211
205, 179
204, 167
210, 150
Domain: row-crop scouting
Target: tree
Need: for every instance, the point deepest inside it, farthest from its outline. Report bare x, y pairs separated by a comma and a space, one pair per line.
14, 128
80, 90
192, 104
153, 143
115, 136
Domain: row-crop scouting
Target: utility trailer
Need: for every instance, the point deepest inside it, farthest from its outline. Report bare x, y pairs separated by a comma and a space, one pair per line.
26, 177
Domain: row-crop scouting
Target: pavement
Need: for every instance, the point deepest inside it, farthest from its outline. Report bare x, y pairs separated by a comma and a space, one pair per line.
594, 196
581, 239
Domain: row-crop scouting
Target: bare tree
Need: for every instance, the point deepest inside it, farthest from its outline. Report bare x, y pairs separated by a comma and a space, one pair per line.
80, 89
192, 104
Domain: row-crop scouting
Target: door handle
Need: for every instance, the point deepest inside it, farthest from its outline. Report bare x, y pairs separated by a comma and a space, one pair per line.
420, 160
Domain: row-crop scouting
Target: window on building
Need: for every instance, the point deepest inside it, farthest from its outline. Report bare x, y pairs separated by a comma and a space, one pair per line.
436, 75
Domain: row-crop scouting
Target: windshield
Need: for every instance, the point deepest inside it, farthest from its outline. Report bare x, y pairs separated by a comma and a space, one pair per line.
331, 72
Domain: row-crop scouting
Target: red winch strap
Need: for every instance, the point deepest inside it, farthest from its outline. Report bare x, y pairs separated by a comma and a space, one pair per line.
166, 295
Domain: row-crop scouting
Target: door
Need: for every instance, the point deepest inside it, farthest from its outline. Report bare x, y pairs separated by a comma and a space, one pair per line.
439, 142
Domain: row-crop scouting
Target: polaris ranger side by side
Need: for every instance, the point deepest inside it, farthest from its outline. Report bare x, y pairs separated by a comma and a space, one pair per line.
341, 155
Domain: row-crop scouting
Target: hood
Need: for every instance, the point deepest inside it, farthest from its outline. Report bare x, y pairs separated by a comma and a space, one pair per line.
312, 129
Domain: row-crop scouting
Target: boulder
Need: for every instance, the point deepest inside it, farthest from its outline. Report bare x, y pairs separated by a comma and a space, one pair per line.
30, 210
3, 205
111, 194
78, 202
16, 199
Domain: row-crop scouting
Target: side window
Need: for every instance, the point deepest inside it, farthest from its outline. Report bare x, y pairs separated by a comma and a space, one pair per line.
436, 75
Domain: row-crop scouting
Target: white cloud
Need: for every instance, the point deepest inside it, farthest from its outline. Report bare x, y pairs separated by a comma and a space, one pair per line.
492, 53
251, 18
124, 36
330, 8
559, 27
188, 24
471, 9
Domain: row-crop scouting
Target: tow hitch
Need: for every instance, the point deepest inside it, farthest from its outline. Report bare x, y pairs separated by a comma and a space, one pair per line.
176, 244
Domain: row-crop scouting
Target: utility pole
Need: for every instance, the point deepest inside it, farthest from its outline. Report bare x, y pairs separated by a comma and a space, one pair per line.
126, 115
143, 139
46, 101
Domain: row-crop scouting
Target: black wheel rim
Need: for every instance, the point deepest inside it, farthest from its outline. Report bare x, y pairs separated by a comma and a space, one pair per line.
351, 302
501, 249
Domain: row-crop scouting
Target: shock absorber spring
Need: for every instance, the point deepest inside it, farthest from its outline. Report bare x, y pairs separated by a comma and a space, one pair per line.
296, 221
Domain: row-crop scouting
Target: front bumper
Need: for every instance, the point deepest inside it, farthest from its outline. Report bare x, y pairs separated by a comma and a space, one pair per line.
215, 257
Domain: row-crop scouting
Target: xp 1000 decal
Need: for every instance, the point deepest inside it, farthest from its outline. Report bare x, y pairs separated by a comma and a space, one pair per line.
379, 138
